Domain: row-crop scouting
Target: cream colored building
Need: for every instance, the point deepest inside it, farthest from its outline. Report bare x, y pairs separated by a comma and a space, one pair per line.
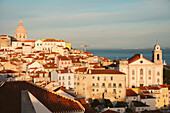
20, 32
5, 41
96, 83
141, 71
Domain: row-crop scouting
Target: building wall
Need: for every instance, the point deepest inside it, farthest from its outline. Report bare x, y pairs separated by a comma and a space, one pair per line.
150, 102
147, 78
89, 86
63, 79
5, 41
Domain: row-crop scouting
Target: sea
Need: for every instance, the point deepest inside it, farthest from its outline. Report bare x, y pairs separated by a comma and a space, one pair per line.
128, 53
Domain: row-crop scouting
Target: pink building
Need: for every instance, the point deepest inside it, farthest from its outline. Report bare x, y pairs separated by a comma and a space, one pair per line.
63, 61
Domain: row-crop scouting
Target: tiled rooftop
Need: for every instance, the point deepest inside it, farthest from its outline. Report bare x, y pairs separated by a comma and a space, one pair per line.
130, 92
10, 99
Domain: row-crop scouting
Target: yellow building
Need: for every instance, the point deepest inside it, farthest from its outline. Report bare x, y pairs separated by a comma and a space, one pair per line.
68, 45
160, 92
93, 83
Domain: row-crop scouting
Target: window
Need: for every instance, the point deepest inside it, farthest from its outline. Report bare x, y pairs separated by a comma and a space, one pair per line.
141, 71
120, 85
69, 77
109, 84
114, 90
92, 89
93, 84
158, 80
63, 77
23, 36
119, 91
114, 84
65, 62
111, 78
149, 72
69, 83
103, 84
158, 73
59, 78
97, 84
93, 77
133, 72
133, 78
104, 78
98, 78
149, 78
141, 78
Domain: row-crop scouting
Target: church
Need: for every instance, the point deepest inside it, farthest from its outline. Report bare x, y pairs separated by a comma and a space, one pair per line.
141, 71
20, 32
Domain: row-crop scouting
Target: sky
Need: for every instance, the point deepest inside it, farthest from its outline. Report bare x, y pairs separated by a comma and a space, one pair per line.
105, 24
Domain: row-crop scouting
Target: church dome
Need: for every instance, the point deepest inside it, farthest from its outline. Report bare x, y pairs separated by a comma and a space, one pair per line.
20, 28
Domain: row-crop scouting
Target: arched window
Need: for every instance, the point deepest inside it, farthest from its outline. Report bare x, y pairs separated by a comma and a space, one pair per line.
141, 71
157, 56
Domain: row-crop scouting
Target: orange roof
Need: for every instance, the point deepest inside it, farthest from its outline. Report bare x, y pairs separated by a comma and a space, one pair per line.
63, 58
29, 40
50, 40
18, 48
61, 40
8, 71
105, 71
163, 86
54, 102
136, 57
84, 69
142, 88
130, 92
153, 87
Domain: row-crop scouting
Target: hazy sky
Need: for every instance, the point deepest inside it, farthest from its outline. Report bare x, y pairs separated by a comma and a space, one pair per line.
101, 23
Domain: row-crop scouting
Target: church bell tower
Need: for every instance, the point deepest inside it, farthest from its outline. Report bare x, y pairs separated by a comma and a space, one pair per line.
157, 54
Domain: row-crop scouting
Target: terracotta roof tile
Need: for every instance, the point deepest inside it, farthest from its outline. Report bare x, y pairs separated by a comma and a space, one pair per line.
105, 71
54, 102
153, 87
63, 58
130, 92
136, 57
83, 69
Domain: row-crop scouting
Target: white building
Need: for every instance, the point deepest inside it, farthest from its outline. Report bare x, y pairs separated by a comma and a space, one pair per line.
64, 77
141, 71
